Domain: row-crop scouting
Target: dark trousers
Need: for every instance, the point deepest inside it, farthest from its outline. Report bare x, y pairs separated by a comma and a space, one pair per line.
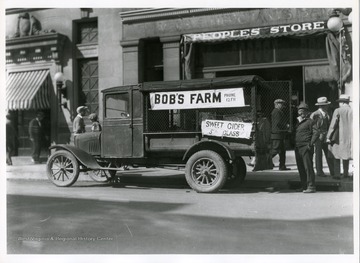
36, 149
278, 147
319, 148
336, 163
304, 163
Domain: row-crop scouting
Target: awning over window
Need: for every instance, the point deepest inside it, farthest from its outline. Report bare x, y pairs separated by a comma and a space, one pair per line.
28, 90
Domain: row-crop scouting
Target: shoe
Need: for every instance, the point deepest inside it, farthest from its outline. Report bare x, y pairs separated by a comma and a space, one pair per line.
322, 175
308, 191
284, 168
250, 164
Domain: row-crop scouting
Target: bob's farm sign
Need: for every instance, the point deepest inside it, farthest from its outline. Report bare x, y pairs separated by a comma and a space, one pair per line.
197, 99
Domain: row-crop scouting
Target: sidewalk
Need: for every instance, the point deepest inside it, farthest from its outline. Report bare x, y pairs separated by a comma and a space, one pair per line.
24, 169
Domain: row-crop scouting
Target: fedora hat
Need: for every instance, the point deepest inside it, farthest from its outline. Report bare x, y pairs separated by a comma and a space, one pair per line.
344, 98
303, 105
322, 101
80, 109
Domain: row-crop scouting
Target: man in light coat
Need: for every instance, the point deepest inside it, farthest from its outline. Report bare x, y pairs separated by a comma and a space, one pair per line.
79, 124
322, 120
339, 136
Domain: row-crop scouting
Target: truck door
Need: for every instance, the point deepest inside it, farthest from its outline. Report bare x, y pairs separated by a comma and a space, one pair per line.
122, 124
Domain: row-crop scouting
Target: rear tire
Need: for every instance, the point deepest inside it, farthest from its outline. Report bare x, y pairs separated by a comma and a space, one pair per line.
62, 168
237, 173
206, 171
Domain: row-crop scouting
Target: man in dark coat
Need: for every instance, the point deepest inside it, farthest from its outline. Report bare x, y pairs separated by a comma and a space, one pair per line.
278, 132
322, 119
37, 136
305, 137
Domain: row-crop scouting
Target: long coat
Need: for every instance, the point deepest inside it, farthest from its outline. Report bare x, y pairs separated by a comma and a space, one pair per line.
340, 133
278, 124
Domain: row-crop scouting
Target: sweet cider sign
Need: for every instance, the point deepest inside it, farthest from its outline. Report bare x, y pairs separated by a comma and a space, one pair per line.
229, 129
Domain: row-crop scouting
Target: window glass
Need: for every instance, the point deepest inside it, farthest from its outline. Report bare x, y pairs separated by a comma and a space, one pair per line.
117, 106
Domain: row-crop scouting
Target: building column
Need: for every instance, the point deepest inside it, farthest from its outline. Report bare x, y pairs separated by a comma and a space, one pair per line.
131, 62
171, 57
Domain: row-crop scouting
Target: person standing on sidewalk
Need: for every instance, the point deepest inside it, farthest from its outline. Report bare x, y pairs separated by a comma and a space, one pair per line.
305, 136
11, 137
278, 131
322, 120
79, 124
37, 137
339, 136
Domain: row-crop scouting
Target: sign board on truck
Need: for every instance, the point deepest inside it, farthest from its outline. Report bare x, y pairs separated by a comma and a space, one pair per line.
197, 99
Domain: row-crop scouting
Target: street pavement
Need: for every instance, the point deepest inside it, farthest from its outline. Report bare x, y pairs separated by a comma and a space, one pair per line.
24, 169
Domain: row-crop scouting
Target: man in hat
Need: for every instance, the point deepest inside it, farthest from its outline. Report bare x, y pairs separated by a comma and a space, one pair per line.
305, 136
79, 124
322, 121
339, 136
37, 136
278, 131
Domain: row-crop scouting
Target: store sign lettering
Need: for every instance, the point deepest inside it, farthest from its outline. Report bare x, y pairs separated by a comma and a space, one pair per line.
253, 32
217, 98
228, 129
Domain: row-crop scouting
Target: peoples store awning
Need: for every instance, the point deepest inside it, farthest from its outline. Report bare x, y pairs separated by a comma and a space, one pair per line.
296, 29
28, 90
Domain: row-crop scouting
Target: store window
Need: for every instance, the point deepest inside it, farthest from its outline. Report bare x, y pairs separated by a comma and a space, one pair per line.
289, 49
153, 69
87, 32
218, 54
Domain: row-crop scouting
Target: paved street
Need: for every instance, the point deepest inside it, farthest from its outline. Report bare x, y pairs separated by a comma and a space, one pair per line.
140, 218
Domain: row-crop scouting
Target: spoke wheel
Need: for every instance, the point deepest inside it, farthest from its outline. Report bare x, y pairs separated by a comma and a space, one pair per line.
62, 168
206, 171
102, 175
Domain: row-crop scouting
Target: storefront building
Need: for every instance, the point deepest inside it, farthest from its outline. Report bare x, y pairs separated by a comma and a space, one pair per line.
83, 44
276, 44
95, 49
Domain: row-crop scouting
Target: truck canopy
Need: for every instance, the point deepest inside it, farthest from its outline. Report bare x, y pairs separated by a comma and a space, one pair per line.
173, 85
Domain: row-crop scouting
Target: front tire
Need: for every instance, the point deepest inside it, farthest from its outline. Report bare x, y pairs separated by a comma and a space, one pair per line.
206, 171
62, 168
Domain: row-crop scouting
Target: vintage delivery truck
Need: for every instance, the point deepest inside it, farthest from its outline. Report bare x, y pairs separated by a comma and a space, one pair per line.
206, 126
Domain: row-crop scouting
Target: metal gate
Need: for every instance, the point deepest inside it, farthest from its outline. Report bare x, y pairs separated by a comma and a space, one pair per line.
278, 90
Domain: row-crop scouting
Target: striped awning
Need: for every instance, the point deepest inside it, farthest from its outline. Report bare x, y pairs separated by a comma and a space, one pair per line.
28, 90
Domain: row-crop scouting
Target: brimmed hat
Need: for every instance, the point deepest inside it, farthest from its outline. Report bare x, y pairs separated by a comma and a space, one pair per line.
344, 98
303, 105
322, 101
80, 109
279, 101
93, 116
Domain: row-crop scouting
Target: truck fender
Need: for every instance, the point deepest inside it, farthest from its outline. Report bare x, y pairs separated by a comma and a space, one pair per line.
216, 146
83, 157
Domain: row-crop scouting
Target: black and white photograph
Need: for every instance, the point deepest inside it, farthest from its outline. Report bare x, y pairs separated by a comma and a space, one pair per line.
180, 132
